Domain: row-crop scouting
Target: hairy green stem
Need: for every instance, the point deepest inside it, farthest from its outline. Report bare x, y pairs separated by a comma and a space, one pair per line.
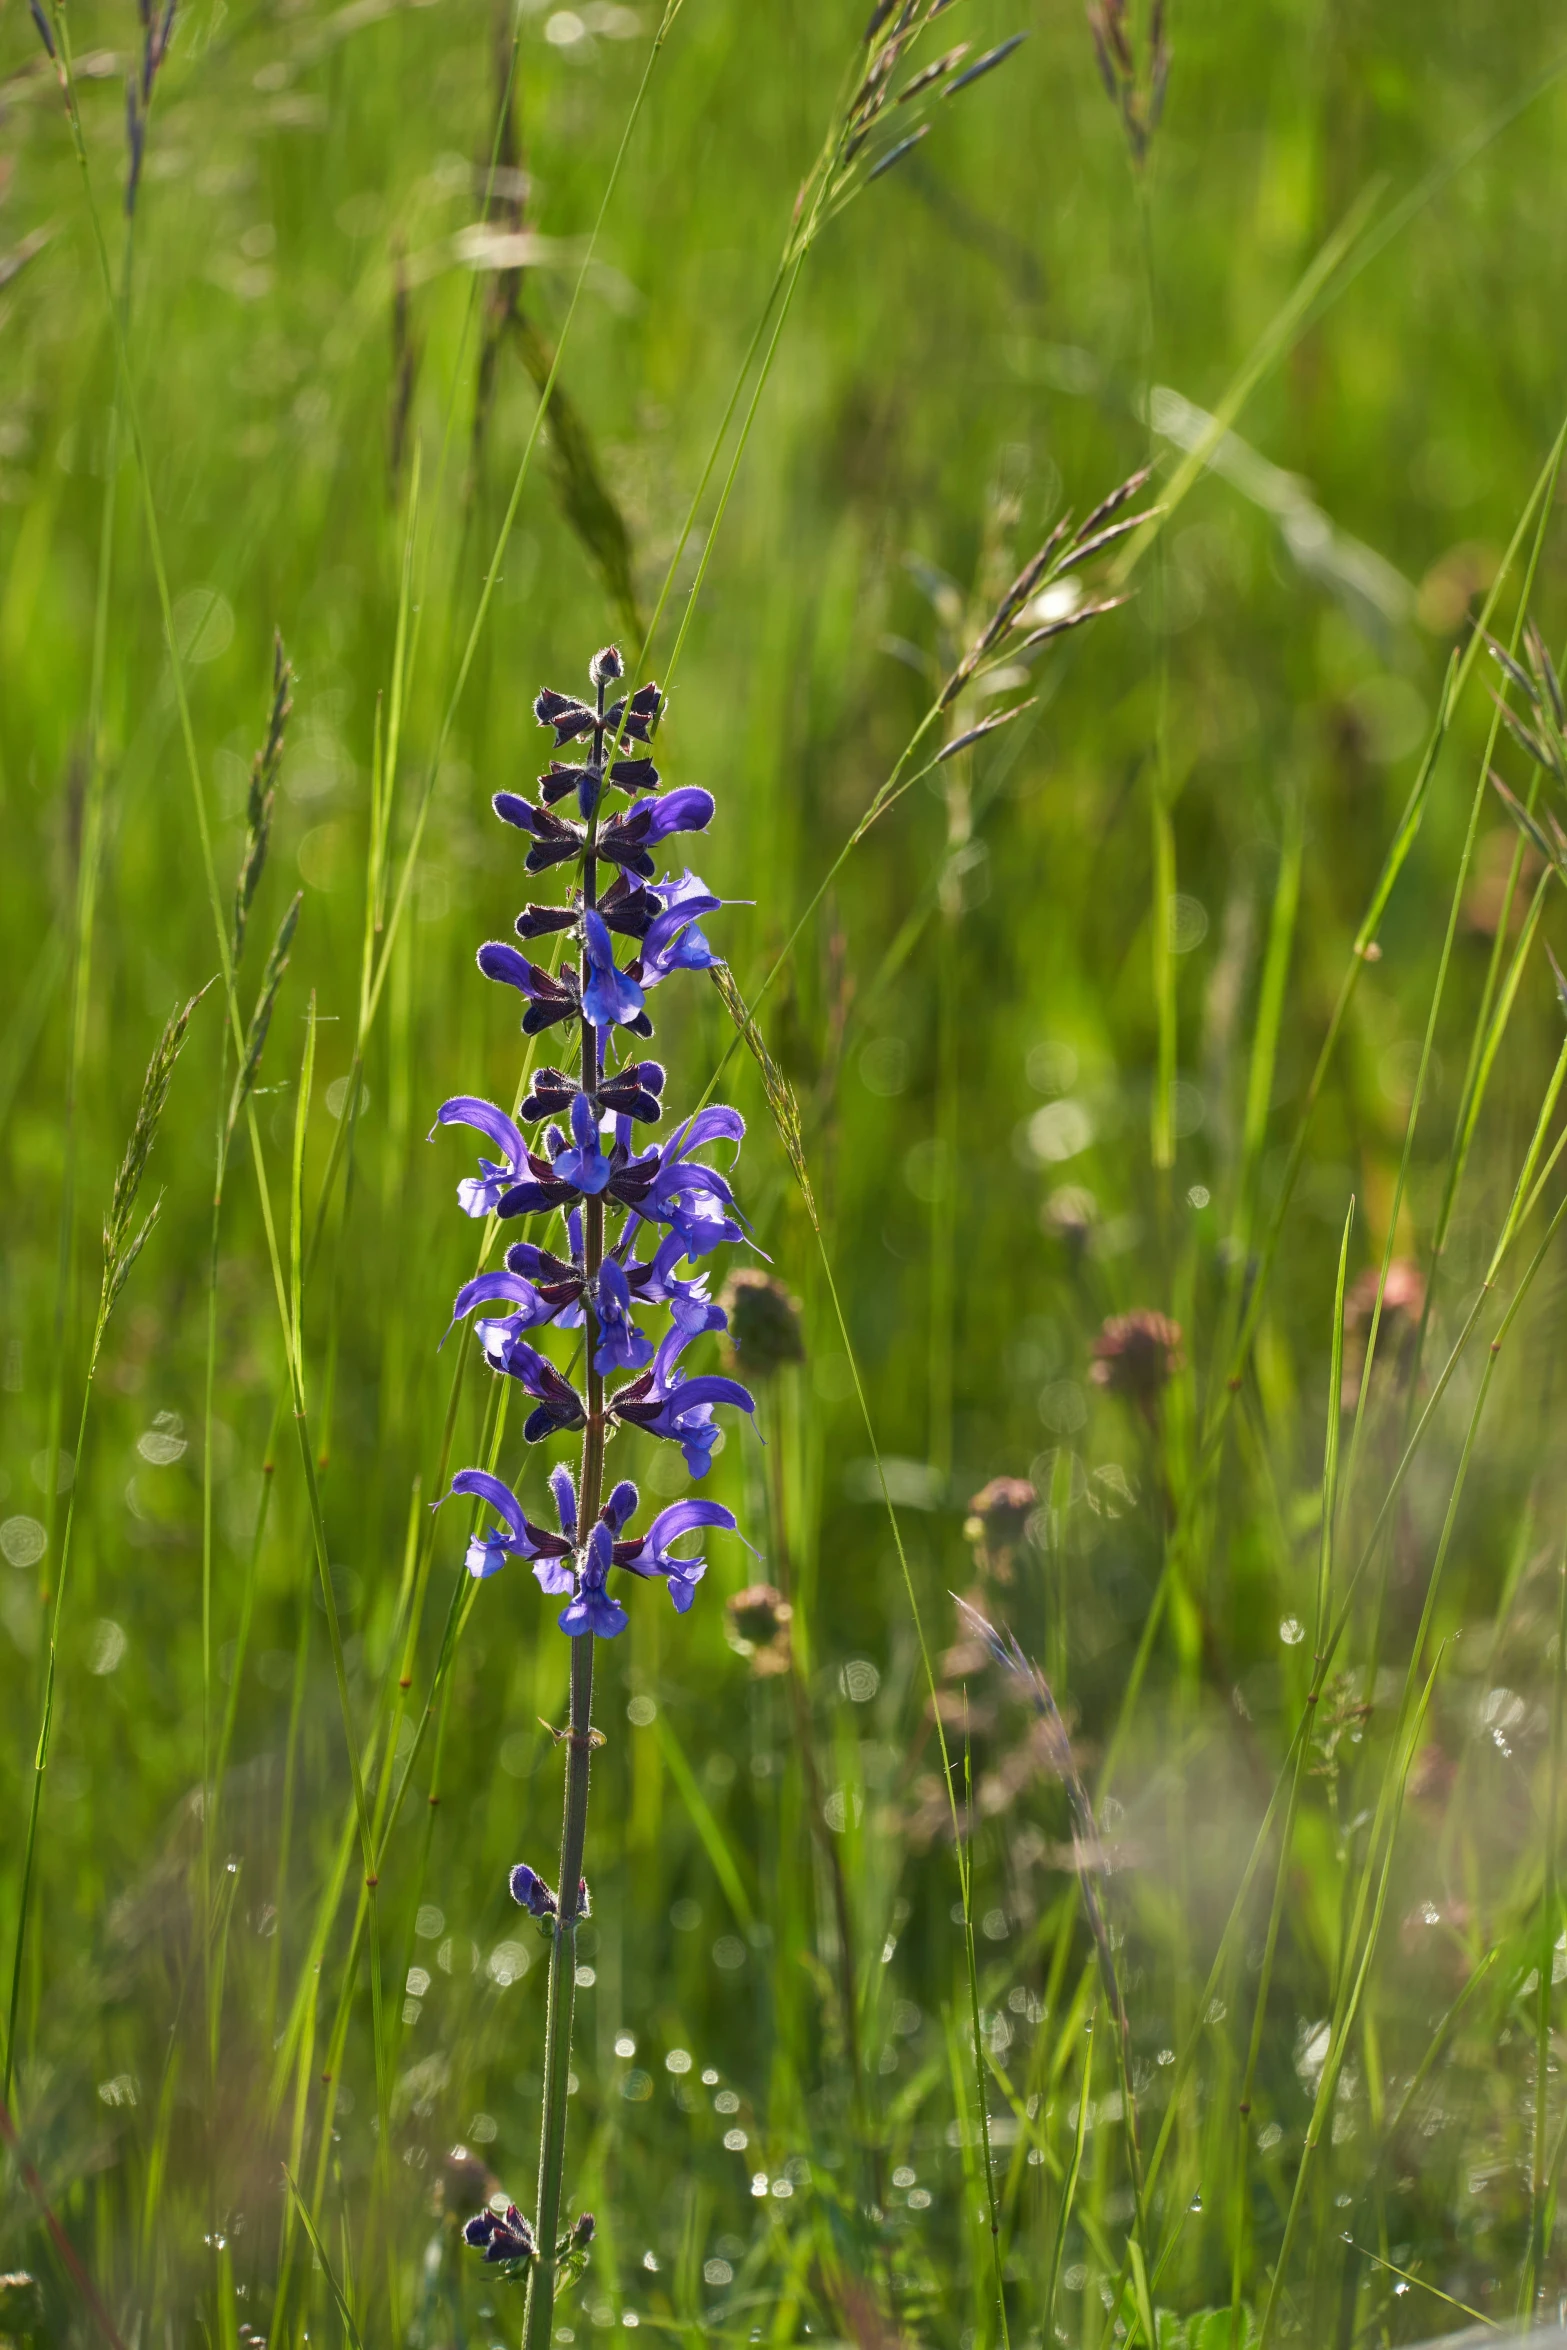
539, 2314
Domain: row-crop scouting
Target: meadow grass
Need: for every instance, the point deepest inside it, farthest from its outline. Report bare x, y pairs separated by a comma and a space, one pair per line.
1128, 1908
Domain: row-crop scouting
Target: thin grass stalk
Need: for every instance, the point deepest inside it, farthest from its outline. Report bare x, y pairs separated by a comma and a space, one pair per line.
1550, 1910
942, 1335
1245, 1306
88, 862
1248, 1319
123, 1243
1526, 1196
394, 916
289, 1319
825, 1842
1327, 2085
786, 1118
1330, 1481
1481, 1053
1087, 1857
964, 1849
40, 1765
1269, 1018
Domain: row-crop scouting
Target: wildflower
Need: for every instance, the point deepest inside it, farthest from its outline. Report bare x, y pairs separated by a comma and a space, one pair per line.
609, 997
764, 1322
501, 2238
690, 1197
586, 1164
591, 1608
530, 1891
1398, 1329
551, 996
1403, 1299
665, 1403
673, 942
622, 1346
477, 1195
559, 1406
626, 840
529, 1305
1137, 1355
654, 1553
488, 1552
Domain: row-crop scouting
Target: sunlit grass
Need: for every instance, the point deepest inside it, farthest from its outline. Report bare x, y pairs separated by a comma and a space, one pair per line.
1156, 1101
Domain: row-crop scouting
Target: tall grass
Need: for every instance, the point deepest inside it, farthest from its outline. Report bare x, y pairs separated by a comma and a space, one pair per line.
1183, 1966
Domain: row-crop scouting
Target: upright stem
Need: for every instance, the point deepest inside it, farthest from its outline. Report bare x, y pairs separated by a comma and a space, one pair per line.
539, 2316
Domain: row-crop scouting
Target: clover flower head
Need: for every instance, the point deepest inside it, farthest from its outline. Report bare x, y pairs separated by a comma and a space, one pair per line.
1137, 1355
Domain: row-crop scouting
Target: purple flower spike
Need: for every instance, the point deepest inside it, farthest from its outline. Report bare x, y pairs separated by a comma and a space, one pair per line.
530, 1891
601, 789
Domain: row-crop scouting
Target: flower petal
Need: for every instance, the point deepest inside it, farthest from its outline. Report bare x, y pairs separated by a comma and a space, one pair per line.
467, 1109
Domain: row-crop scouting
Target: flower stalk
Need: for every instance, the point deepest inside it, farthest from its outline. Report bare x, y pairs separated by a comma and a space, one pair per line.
602, 1197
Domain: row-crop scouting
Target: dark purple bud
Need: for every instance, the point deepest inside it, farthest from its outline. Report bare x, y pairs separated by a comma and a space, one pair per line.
584, 1899
606, 666
583, 2232
42, 23
498, 2237
558, 781
565, 713
538, 921
629, 907
637, 721
530, 1892
549, 1096
554, 838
